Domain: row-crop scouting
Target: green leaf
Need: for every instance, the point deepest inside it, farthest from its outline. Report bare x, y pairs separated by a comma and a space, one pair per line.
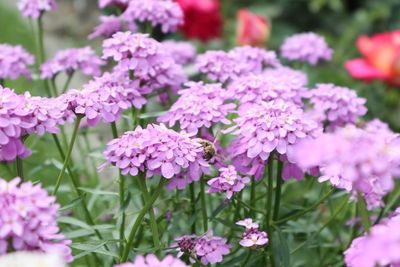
74, 222
222, 206
280, 249
71, 204
91, 248
151, 114
98, 192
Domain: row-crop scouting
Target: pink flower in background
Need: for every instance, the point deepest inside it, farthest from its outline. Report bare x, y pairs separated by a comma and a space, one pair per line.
35, 8
182, 52
119, 3
14, 62
252, 29
71, 60
381, 58
307, 47
28, 221
152, 261
107, 27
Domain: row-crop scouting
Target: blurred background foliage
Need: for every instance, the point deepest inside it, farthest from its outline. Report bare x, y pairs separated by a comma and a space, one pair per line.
340, 21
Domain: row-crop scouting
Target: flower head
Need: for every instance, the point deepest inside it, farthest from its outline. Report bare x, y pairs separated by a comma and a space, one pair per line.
380, 61
339, 105
252, 29
157, 150
28, 220
202, 19
182, 52
106, 3
229, 182
107, 27
71, 60
164, 13
201, 105
308, 47
14, 62
35, 8
152, 261
357, 160
378, 248
248, 223
222, 66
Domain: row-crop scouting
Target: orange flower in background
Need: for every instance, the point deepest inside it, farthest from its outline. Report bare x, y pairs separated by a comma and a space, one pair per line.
252, 29
381, 58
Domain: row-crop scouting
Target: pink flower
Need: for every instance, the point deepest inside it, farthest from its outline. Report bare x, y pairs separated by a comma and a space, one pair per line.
14, 62
229, 181
152, 261
248, 223
35, 8
252, 236
252, 29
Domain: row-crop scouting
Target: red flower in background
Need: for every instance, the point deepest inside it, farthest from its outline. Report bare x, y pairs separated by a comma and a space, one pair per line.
252, 29
381, 59
202, 19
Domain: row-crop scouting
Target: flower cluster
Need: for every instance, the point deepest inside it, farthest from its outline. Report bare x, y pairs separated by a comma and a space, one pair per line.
23, 114
108, 26
105, 98
378, 248
266, 127
337, 105
164, 13
228, 181
28, 220
106, 3
14, 62
223, 66
71, 60
201, 105
357, 160
152, 261
182, 52
209, 249
307, 47
279, 84
35, 8
151, 63
157, 150
252, 236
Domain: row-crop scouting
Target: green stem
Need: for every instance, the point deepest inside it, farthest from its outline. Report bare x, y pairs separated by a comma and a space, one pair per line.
252, 196
278, 192
246, 260
41, 52
269, 193
140, 217
203, 204
68, 81
68, 155
20, 168
362, 209
193, 206
153, 223
311, 208
121, 181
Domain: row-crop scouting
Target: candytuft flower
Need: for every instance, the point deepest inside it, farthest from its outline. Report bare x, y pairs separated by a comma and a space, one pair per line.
307, 47
252, 236
378, 248
228, 181
222, 66
35, 8
201, 105
164, 13
28, 220
182, 52
157, 150
152, 261
14, 62
120, 3
107, 27
71, 60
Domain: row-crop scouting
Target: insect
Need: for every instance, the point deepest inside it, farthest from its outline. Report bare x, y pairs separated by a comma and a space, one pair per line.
209, 149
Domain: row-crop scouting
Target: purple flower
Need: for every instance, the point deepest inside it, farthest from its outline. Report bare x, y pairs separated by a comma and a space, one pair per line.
14, 62
164, 13
152, 261
256, 88
108, 26
201, 105
252, 236
228, 181
28, 221
223, 66
337, 105
308, 47
105, 98
354, 159
147, 58
182, 52
105, 3
209, 249
71, 60
266, 127
157, 150
35, 8
378, 248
